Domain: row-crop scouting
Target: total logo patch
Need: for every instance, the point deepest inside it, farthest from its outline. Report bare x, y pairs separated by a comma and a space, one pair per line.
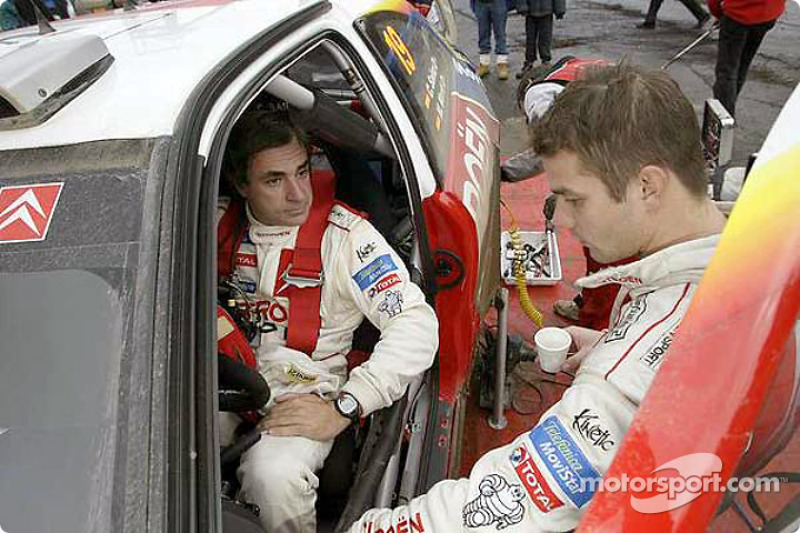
532, 479
389, 281
367, 276
246, 260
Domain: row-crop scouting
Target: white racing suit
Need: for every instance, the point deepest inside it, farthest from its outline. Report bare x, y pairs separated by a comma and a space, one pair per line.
363, 277
540, 481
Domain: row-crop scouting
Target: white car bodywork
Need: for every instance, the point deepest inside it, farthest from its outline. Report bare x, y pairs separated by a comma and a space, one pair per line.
162, 54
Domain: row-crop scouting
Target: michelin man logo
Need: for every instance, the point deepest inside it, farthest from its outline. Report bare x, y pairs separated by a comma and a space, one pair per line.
498, 503
392, 303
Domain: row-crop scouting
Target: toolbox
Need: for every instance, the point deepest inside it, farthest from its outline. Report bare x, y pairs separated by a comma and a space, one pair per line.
541, 259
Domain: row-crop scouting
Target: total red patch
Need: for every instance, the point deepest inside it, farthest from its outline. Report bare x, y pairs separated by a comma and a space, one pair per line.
532, 479
246, 260
26, 211
389, 281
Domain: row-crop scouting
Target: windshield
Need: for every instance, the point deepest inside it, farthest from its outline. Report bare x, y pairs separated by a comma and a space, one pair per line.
428, 73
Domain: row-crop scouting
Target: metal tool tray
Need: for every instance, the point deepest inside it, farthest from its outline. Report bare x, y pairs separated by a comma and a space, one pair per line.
543, 264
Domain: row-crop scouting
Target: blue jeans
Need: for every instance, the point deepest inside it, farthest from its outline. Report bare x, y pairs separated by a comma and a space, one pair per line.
491, 16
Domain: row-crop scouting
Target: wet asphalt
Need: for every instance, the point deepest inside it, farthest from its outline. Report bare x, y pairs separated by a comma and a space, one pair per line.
607, 29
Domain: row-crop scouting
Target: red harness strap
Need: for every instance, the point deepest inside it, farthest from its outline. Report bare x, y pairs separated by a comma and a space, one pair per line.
305, 270
304, 275
230, 232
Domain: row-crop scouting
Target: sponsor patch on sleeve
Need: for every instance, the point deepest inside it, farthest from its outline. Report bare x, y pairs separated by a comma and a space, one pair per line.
532, 479
367, 276
497, 504
565, 461
384, 283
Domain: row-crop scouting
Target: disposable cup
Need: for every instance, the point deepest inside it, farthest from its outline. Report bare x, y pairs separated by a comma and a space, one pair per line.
552, 345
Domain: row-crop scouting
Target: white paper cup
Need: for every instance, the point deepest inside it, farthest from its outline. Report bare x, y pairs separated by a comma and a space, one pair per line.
552, 345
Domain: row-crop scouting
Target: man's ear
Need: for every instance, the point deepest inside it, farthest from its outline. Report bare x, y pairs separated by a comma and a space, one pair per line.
241, 188
652, 184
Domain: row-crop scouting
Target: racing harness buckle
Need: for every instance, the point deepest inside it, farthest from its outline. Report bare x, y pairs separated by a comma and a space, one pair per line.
303, 278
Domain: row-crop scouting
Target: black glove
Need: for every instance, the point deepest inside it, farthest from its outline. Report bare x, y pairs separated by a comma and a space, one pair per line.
559, 16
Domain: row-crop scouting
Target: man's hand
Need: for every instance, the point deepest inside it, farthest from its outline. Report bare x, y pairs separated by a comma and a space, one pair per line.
303, 415
583, 339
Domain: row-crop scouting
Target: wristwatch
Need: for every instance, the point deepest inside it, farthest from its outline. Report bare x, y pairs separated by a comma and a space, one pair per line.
347, 406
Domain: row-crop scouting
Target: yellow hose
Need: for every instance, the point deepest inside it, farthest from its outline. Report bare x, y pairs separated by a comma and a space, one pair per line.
519, 272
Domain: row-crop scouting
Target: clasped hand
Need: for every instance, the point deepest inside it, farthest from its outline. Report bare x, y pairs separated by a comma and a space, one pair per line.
583, 339
303, 415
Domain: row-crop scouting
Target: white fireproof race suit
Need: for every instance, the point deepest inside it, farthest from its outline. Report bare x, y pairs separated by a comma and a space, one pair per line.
363, 277
538, 481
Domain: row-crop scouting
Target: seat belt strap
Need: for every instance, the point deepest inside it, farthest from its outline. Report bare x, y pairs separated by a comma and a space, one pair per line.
304, 276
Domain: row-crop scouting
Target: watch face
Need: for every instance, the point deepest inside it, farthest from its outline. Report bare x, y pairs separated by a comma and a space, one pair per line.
348, 405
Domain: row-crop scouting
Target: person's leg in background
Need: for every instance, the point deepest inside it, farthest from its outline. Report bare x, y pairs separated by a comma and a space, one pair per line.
697, 10
652, 13
545, 32
499, 16
483, 12
732, 39
530, 41
755, 34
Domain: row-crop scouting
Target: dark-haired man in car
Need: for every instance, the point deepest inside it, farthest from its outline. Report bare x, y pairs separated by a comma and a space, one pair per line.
313, 269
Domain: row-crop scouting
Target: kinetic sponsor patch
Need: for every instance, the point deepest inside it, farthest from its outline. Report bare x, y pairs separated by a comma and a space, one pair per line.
565, 460
532, 479
365, 250
246, 260
374, 271
389, 281
27, 210
587, 424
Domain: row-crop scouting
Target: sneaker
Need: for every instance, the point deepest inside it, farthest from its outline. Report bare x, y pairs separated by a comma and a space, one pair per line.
647, 25
502, 71
483, 70
567, 309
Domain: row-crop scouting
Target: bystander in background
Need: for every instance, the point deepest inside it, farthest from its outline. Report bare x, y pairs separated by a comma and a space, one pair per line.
743, 25
491, 15
703, 18
539, 29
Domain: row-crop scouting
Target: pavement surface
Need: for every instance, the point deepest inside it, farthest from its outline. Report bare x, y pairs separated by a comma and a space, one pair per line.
606, 29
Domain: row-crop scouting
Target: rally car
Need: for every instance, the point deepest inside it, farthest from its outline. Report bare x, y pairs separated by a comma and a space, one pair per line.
112, 131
